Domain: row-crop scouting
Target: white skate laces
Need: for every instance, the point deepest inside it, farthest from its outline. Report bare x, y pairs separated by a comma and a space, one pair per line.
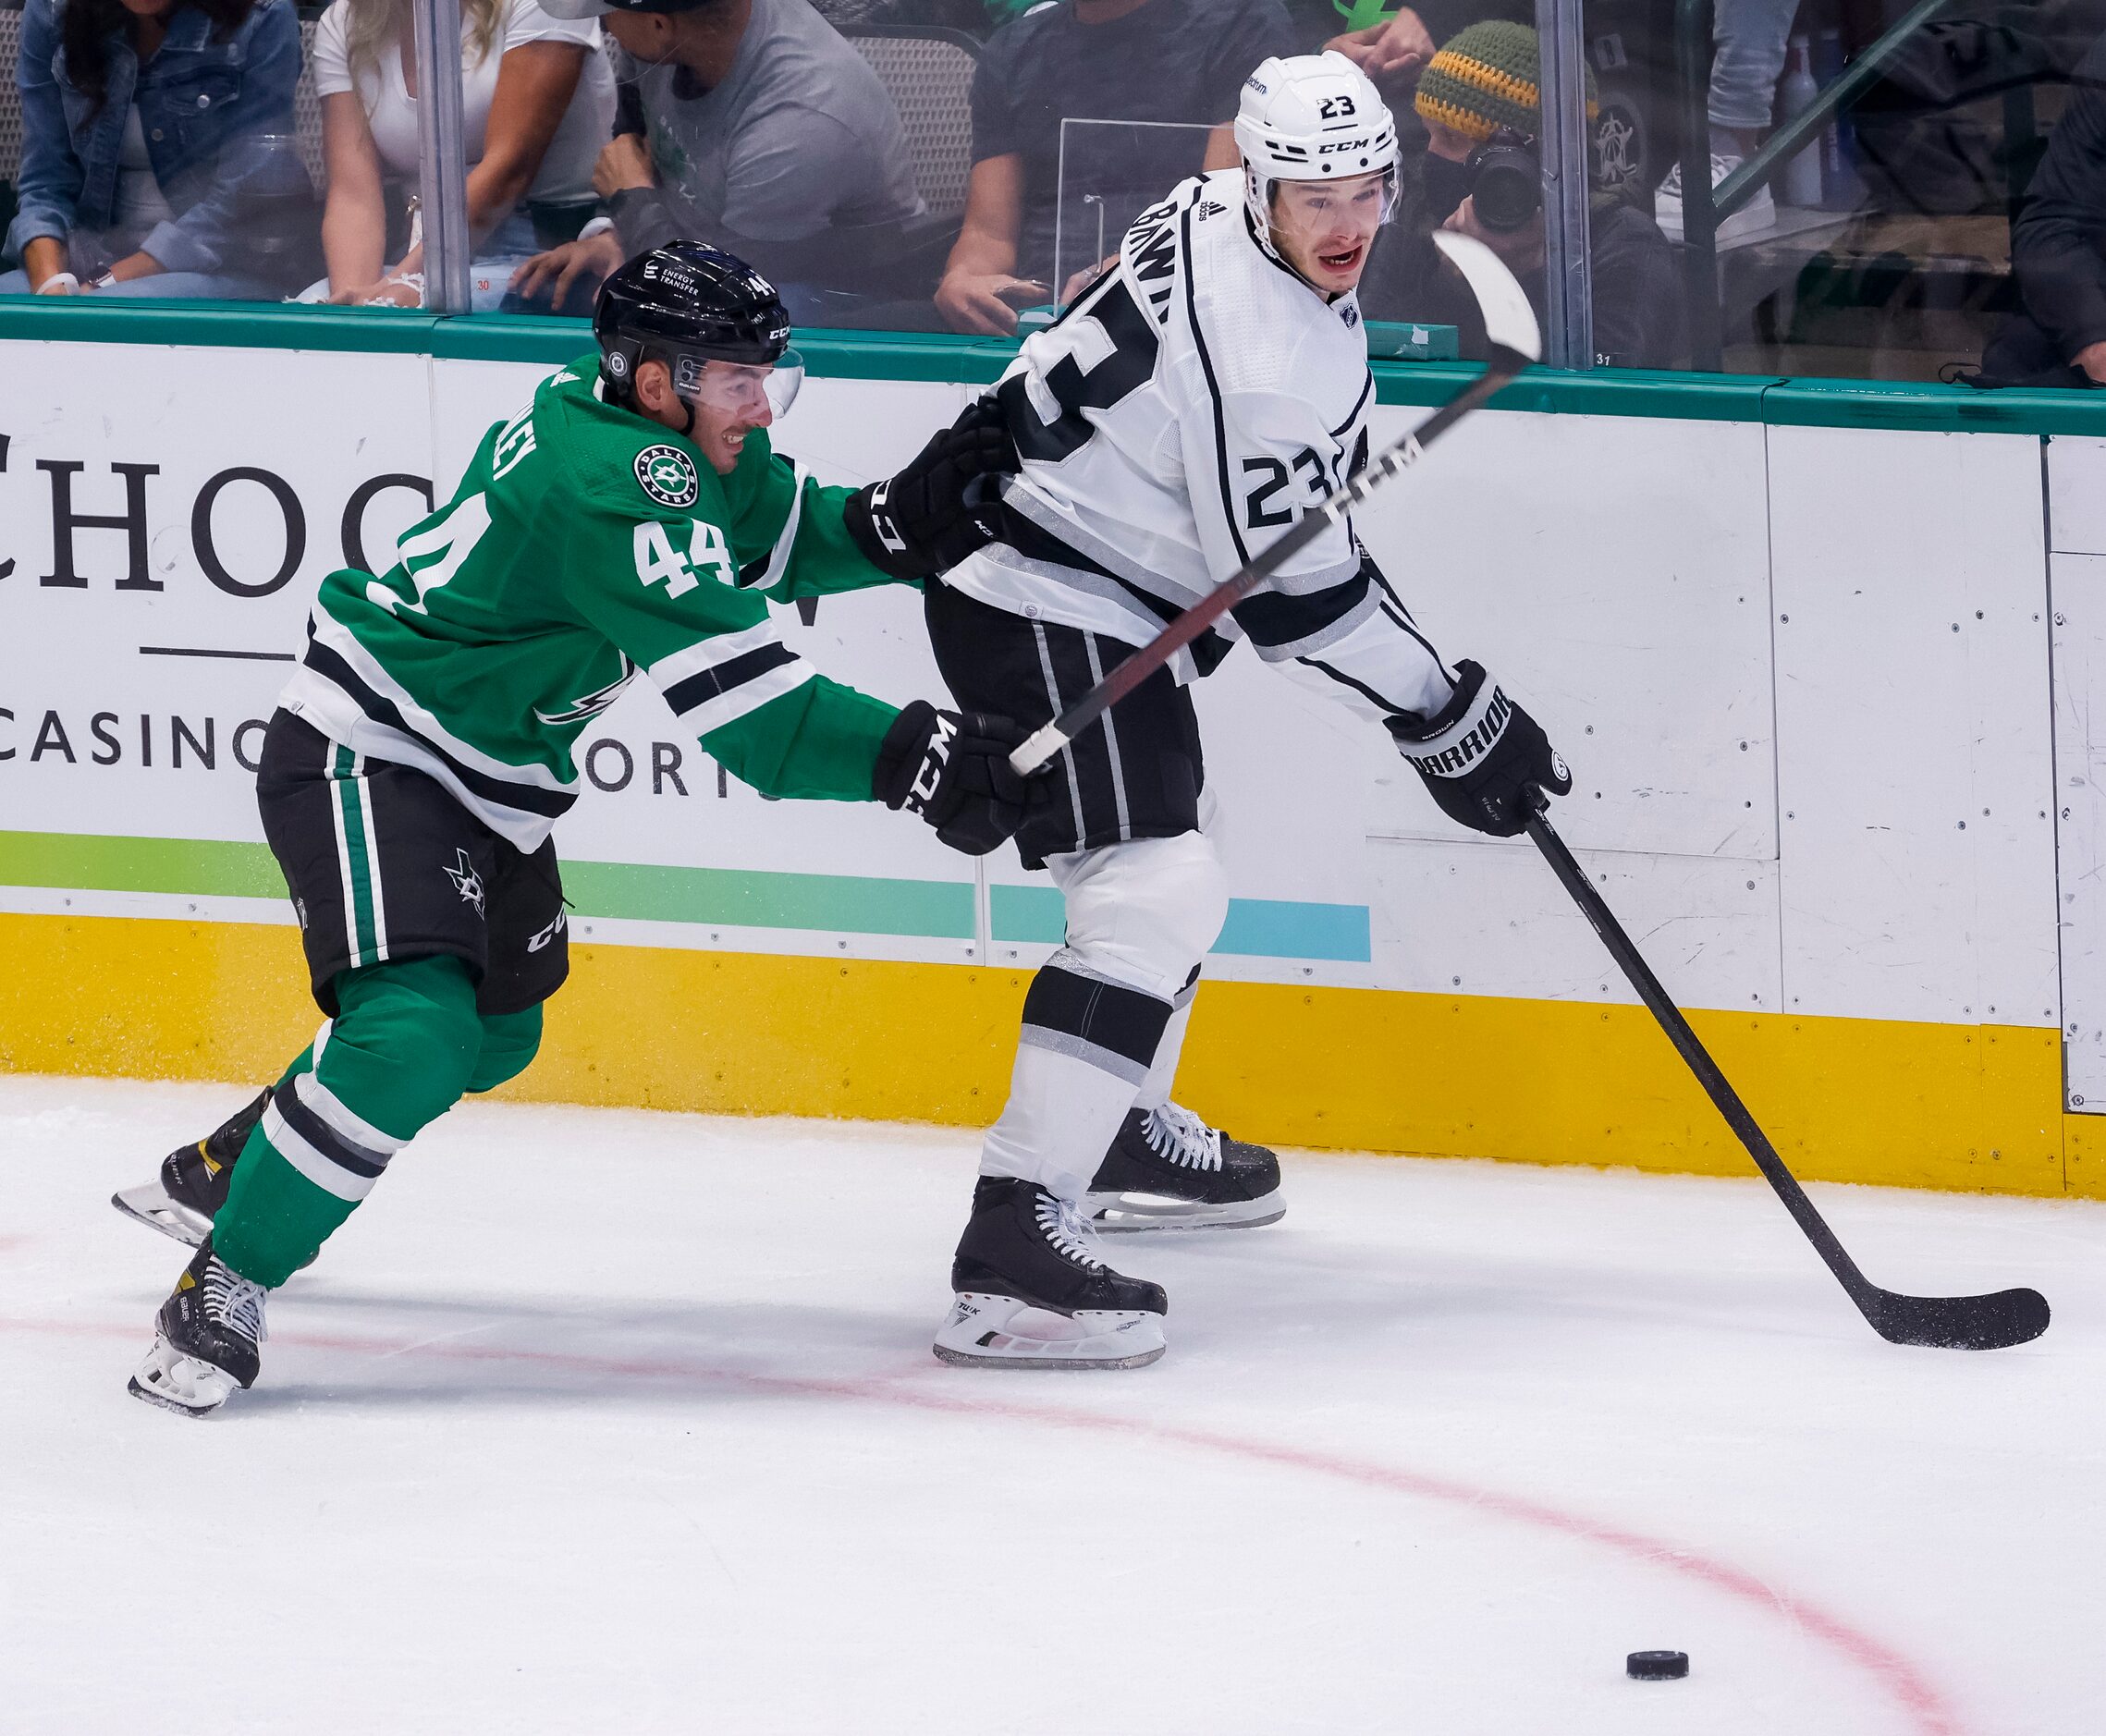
1180, 1137
1062, 1224
232, 1301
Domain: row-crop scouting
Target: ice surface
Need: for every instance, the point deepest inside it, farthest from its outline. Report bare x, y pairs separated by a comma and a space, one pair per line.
611, 1422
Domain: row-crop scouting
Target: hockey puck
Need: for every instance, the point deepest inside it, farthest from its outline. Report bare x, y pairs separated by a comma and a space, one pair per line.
1656, 1666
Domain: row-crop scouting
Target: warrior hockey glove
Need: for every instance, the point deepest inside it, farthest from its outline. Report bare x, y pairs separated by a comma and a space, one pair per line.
943, 505
952, 768
1483, 757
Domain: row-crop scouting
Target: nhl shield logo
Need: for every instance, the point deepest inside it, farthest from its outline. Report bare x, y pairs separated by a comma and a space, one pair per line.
668, 475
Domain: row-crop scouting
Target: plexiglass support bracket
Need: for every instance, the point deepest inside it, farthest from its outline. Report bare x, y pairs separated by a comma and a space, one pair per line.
442, 156
1566, 148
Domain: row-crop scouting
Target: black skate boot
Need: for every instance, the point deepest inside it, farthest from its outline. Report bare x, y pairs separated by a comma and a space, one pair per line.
186, 1197
1166, 1169
1033, 1291
206, 1338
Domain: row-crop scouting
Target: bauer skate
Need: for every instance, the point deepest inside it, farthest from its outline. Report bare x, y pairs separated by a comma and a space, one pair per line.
1166, 1169
1032, 1293
183, 1199
206, 1338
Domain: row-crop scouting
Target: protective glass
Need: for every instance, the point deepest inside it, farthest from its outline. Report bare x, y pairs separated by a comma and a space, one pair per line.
741, 389
1110, 171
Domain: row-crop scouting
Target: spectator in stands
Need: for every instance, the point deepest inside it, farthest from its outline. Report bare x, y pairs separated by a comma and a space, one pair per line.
1482, 83
158, 156
1392, 44
2058, 251
1114, 60
878, 17
537, 100
1750, 43
761, 132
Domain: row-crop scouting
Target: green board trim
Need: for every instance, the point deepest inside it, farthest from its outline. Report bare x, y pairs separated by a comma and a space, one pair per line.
1256, 928
933, 909
203, 868
855, 904
942, 357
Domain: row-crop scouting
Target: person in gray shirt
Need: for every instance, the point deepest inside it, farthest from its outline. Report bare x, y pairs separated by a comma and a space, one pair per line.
755, 126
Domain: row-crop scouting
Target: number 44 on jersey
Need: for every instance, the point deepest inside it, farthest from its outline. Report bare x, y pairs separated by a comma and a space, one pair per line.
658, 561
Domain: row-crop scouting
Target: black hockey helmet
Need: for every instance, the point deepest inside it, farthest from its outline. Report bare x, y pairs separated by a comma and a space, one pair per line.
688, 304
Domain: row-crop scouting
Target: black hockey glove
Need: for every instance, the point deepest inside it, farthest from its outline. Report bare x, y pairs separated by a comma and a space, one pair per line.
952, 768
1484, 758
943, 505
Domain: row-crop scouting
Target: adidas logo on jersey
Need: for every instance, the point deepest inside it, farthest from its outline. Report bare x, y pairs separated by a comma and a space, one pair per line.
1212, 208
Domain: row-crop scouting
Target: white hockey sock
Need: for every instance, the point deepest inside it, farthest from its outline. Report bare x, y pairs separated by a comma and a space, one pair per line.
1098, 1020
1162, 1082
1061, 1115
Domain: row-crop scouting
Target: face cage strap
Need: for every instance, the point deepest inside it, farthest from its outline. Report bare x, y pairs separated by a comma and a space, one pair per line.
622, 359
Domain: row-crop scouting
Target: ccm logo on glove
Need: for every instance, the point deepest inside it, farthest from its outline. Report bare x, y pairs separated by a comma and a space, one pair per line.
935, 763
881, 523
952, 768
944, 505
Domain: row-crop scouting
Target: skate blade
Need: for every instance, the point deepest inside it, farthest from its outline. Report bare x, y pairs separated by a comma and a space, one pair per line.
180, 1383
1005, 1332
1120, 1213
149, 1203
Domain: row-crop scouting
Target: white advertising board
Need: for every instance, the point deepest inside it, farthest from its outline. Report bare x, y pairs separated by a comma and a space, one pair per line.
1627, 578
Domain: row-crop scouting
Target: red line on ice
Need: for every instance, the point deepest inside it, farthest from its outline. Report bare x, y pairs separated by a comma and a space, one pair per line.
1929, 1713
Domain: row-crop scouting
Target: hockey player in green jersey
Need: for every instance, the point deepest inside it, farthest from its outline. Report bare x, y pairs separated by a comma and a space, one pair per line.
632, 518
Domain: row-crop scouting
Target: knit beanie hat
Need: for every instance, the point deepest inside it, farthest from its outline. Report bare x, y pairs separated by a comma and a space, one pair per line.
1485, 77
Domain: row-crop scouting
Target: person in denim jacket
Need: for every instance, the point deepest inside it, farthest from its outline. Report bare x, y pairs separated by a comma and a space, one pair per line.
158, 156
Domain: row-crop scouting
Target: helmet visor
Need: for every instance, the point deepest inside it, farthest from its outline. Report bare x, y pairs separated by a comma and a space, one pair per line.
740, 388
1311, 212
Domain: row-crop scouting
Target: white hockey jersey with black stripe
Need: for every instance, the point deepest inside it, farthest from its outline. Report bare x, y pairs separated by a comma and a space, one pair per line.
1178, 417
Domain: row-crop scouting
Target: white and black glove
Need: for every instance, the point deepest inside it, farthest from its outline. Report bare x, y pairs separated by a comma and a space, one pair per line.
944, 504
953, 769
1484, 759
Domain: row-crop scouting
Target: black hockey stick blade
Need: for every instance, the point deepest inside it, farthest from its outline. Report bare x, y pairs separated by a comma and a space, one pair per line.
1952, 1323
1993, 1322
1510, 324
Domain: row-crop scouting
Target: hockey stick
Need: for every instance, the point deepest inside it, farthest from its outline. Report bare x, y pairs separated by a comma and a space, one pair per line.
1954, 1323
1510, 324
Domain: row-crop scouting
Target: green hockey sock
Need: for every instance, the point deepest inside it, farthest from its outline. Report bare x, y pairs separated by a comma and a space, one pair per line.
510, 1042
405, 1044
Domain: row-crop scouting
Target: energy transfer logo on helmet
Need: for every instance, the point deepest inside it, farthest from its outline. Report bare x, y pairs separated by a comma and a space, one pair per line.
1310, 118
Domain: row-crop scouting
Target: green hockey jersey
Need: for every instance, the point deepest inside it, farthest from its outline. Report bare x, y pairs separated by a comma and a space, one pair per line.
585, 543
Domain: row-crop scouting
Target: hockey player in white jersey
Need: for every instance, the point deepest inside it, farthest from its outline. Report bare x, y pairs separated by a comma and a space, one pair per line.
1212, 381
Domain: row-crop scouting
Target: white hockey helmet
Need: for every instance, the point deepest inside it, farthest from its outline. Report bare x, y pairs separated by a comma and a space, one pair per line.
1311, 118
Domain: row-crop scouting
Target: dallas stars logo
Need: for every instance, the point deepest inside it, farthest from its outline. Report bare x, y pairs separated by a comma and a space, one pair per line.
668, 475
466, 881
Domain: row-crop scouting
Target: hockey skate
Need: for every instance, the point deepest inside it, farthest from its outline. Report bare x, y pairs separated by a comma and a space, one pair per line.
186, 1197
1166, 1169
1032, 1293
206, 1338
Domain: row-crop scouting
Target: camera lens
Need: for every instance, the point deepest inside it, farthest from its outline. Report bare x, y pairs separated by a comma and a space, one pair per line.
1508, 187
